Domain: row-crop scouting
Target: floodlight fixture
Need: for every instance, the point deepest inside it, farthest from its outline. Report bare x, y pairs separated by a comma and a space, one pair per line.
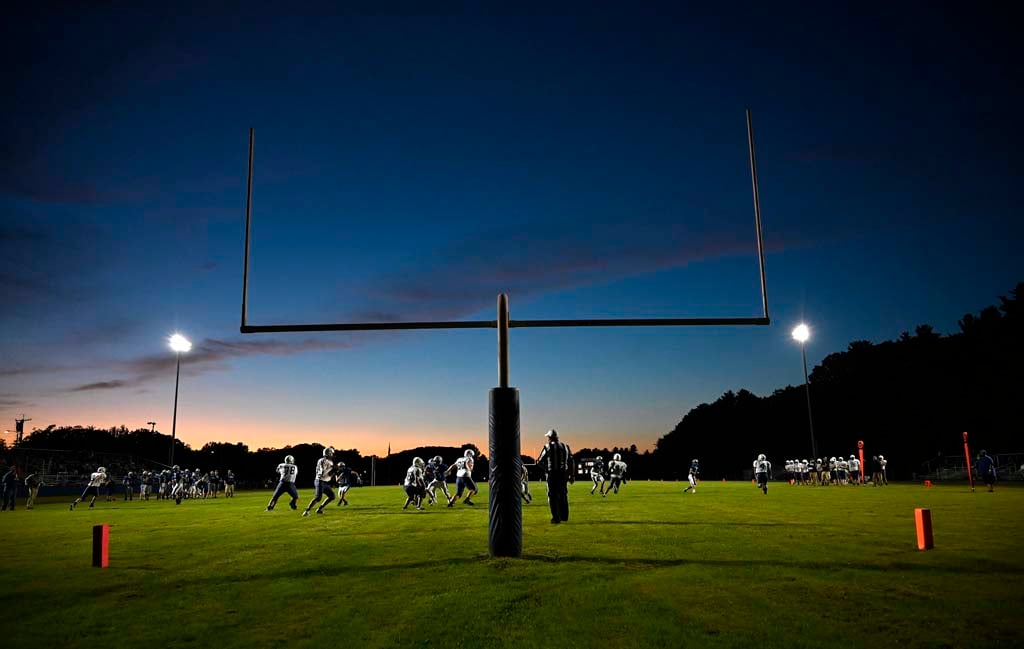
180, 343
801, 333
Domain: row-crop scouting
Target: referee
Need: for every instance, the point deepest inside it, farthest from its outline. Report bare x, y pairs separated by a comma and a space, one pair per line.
556, 460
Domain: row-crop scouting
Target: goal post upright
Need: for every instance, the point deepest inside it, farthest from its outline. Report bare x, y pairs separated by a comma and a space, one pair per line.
505, 537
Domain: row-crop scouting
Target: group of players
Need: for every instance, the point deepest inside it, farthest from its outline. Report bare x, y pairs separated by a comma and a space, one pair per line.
329, 474
615, 472
169, 484
832, 471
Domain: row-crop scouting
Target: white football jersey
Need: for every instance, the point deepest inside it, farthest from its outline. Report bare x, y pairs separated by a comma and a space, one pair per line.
288, 472
97, 479
844, 465
464, 466
762, 466
414, 477
617, 468
855, 465
323, 469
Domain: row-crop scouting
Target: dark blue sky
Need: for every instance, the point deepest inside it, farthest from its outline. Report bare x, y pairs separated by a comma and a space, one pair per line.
411, 165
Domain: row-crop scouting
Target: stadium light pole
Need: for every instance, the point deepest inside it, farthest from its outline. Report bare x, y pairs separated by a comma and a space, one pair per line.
178, 344
802, 334
152, 425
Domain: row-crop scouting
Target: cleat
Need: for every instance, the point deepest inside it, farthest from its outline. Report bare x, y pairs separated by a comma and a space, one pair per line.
467, 501
269, 508
292, 505
72, 507
319, 511
305, 513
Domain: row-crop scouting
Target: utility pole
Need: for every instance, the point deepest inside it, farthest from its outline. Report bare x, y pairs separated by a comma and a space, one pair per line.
19, 429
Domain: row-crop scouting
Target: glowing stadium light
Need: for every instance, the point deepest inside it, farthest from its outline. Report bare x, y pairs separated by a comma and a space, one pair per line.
801, 333
180, 343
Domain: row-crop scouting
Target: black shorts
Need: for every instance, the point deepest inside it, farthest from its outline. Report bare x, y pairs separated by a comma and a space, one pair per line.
323, 488
465, 482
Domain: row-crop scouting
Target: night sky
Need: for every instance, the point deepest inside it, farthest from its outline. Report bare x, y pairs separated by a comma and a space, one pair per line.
591, 162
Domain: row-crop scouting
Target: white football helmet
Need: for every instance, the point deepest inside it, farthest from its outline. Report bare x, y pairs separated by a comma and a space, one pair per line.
437, 459
328, 452
695, 461
288, 459
852, 457
341, 465
101, 469
832, 459
881, 457
761, 456
417, 462
551, 434
617, 457
600, 459
469, 453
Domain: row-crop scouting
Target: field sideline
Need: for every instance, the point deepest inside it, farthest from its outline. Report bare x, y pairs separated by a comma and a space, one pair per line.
651, 567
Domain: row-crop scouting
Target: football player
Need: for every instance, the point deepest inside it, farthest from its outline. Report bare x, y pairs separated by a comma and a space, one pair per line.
287, 472
885, 475
762, 472
463, 478
344, 474
854, 470
415, 487
844, 468
229, 485
616, 474
597, 474
524, 485
322, 482
96, 480
692, 477
439, 470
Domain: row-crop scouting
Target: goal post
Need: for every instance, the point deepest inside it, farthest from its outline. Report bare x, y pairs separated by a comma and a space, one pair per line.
505, 537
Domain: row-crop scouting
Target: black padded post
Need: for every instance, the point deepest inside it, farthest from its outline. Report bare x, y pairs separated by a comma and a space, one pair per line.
506, 465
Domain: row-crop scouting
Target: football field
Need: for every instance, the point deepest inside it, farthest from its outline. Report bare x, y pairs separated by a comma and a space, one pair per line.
649, 567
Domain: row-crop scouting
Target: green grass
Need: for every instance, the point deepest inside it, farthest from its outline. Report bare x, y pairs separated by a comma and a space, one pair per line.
651, 567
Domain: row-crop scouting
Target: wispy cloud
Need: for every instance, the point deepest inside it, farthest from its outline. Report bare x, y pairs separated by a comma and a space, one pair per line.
101, 385
541, 258
13, 401
207, 356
